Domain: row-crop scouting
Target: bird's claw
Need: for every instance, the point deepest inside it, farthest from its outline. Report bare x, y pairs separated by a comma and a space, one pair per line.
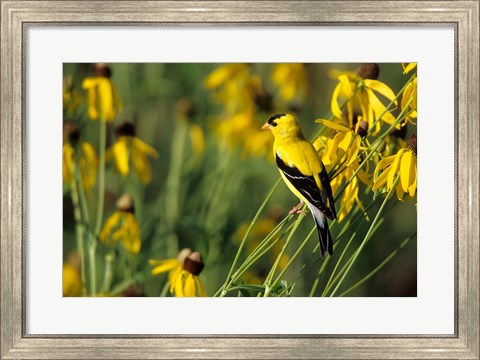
296, 209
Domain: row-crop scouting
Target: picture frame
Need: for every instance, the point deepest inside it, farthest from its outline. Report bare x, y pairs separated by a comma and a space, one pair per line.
16, 17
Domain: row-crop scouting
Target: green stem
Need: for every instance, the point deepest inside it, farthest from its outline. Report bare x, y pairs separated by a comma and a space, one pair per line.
108, 272
172, 197
101, 174
380, 266
92, 250
270, 275
329, 282
367, 237
223, 289
78, 227
294, 256
165, 289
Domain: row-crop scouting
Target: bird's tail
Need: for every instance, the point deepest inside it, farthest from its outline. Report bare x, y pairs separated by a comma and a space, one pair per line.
326, 241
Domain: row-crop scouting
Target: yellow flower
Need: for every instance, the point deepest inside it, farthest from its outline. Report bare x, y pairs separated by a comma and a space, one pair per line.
231, 84
72, 285
103, 99
86, 156
340, 155
130, 148
122, 226
170, 265
360, 92
291, 79
343, 149
72, 99
183, 273
403, 165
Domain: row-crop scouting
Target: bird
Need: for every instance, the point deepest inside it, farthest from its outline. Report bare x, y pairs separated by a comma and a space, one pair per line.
302, 170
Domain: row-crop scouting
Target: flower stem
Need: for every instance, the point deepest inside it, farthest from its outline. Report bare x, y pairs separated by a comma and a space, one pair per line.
101, 175
294, 256
366, 238
172, 197
228, 281
92, 250
108, 272
380, 266
270, 275
79, 227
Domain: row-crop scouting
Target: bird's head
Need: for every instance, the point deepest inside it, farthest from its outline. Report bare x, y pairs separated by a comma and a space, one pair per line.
283, 125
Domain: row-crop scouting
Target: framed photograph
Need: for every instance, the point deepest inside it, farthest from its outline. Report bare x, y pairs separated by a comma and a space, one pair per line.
154, 155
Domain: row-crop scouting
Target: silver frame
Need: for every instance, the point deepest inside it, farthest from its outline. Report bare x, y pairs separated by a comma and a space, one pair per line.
17, 15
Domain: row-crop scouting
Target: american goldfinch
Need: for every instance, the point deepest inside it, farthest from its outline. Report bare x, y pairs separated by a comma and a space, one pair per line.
304, 173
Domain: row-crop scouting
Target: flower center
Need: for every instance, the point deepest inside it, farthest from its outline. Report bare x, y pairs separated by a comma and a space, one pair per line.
412, 144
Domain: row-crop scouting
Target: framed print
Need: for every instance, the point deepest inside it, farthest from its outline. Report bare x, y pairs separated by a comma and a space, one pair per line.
142, 211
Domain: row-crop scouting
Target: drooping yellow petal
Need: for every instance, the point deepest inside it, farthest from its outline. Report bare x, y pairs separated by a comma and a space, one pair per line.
330, 154
393, 170
144, 148
118, 234
379, 109
333, 125
381, 88
405, 170
189, 286
172, 277
334, 103
121, 153
131, 240
413, 186
346, 85
106, 104
164, 265
179, 282
109, 225
142, 166
89, 165
72, 284
346, 140
386, 161
90, 85
200, 288
381, 180
354, 149
103, 100
409, 67
68, 164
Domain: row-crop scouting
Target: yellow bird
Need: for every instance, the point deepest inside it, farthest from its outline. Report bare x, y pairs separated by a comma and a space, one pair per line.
304, 173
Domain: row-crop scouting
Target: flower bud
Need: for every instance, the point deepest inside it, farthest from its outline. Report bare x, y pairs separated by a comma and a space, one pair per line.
125, 203
102, 70
183, 254
71, 133
193, 263
125, 129
412, 143
369, 71
362, 128
185, 109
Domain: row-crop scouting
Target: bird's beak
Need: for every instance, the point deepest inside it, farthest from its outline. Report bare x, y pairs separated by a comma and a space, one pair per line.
266, 126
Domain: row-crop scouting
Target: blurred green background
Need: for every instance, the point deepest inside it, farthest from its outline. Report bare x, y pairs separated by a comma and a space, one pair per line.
216, 191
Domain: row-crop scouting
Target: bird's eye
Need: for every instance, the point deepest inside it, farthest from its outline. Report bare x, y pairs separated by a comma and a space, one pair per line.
273, 123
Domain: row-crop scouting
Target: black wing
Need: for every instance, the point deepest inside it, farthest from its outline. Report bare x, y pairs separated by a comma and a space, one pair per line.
307, 186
